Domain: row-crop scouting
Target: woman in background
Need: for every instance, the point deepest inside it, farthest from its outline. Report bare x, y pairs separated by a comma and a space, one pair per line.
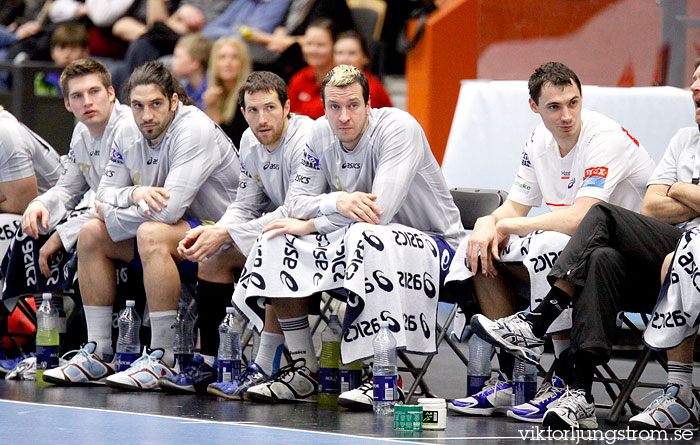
305, 86
229, 66
351, 49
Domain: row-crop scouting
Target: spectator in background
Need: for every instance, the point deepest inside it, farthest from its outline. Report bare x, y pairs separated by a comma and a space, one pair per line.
305, 86
229, 66
280, 51
189, 65
351, 49
69, 42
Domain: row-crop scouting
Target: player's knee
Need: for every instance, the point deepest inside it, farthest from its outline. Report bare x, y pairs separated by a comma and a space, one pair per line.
151, 238
92, 237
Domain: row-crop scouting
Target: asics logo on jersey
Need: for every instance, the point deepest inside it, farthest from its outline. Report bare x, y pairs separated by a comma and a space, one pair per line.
351, 165
526, 160
95, 153
109, 173
571, 183
271, 166
302, 179
153, 161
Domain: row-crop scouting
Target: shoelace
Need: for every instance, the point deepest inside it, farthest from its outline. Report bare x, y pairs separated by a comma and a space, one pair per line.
289, 369
569, 400
660, 398
543, 392
75, 354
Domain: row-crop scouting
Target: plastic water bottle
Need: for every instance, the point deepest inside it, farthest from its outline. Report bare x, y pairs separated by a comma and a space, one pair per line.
229, 347
47, 341
184, 334
128, 344
329, 372
350, 376
525, 379
386, 374
479, 366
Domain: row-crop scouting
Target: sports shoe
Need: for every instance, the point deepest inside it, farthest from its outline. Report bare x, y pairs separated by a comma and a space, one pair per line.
8, 364
25, 370
496, 397
194, 379
546, 397
294, 383
572, 411
667, 412
362, 397
83, 368
143, 374
235, 390
513, 333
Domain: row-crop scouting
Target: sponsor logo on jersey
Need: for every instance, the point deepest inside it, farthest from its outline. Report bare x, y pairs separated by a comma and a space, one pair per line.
309, 160
522, 186
271, 166
71, 155
571, 183
595, 177
302, 179
565, 174
526, 160
116, 156
351, 165
152, 161
94, 153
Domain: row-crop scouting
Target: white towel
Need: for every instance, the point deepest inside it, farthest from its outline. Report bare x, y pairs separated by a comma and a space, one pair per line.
537, 252
391, 272
677, 311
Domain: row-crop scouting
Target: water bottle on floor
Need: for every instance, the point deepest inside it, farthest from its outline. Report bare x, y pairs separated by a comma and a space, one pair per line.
229, 347
525, 380
385, 371
329, 373
479, 366
128, 344
47, 341
184, 334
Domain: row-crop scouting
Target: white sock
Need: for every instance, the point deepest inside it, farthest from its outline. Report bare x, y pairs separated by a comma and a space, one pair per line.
163, 333
560, 346
297, 334
681, 374
99, 329
270, 352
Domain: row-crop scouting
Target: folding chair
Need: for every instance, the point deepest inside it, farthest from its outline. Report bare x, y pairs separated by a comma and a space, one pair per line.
472, 204
632, 381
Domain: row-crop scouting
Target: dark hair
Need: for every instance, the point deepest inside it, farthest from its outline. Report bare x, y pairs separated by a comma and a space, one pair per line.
327, 24
352, 34
555, 73
263, 81
83, 67
70, 34
155, 73
697, 63
343, 76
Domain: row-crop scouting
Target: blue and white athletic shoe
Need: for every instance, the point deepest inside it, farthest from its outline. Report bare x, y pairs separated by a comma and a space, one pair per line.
496, 397
512, 333
84, 368
668, 412
236, 389
547, 397
194, 379
8, 364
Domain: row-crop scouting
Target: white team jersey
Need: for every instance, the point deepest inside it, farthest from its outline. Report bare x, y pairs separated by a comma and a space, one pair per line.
195, 161
606, 163
681, 163
264, 181
24, 153
392, 160
87, 159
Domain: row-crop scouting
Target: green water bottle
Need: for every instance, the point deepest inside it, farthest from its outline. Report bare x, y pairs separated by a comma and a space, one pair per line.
47, 341
329, 374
